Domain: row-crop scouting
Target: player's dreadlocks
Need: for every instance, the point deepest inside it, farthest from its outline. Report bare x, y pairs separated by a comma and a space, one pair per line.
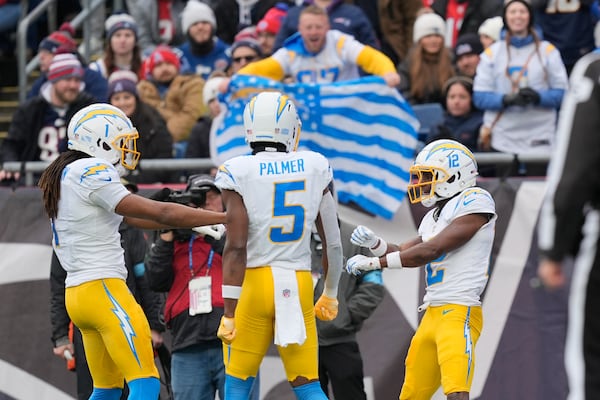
50, 180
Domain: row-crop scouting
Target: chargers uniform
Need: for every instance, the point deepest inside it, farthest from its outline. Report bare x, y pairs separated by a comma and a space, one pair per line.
282, 193
455, 282
87, 242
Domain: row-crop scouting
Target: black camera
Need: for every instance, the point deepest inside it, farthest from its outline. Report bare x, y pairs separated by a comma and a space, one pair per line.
193, 195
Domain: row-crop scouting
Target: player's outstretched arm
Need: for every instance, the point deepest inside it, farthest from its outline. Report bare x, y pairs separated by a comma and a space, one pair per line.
416, 253
150, 214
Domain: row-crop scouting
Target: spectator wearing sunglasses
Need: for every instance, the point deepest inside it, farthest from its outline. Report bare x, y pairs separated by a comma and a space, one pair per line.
243, 52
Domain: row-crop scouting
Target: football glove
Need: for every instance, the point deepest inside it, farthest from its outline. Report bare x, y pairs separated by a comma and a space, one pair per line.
326, 308
226, 331
214, 231
359, 263
364, 237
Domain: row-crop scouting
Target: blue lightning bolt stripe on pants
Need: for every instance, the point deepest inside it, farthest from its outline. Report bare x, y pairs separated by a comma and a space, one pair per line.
116, 334
442, 352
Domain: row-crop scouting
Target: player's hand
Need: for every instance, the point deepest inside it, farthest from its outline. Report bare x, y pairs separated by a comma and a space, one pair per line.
157, 339
359, 263
326, 308
226, 330
551, 274
64, 351
214, 231
364, 237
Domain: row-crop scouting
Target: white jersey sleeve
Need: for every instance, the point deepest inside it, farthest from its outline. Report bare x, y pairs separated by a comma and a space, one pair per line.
282, 193
86, 230
459, 276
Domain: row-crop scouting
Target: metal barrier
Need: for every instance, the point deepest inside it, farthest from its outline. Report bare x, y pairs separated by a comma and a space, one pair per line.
26, 68
30, 168
173, 164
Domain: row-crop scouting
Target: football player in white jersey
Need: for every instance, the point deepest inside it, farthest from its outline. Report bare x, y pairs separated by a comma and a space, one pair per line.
454, 245
273, 199
86, 202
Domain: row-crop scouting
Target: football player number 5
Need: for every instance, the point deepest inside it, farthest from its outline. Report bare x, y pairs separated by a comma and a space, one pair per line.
283, 209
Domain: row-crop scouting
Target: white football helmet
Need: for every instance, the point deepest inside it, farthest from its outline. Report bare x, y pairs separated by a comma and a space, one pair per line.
104, 131
441, 170
271, 117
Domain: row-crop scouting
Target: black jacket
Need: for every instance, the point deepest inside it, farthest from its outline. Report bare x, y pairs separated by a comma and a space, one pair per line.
21, 144
134, 244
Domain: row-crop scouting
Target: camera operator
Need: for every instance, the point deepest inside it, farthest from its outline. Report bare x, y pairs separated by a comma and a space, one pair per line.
188, 265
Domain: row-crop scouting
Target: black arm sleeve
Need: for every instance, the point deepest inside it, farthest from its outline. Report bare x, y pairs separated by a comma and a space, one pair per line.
59, 319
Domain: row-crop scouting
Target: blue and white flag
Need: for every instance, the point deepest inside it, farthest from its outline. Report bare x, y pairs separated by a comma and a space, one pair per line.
367, 131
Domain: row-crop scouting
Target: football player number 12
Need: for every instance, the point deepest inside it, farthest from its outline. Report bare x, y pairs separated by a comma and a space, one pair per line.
283, 209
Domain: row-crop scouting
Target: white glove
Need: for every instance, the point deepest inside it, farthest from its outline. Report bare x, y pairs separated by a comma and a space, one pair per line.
364, 237
359, 263
214, 231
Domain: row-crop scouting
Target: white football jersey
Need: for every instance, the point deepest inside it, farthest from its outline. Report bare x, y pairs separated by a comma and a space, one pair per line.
459, 277
282, 193
336, 62
86, 235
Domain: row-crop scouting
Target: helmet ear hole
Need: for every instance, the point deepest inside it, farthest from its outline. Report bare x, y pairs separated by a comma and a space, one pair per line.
106, 146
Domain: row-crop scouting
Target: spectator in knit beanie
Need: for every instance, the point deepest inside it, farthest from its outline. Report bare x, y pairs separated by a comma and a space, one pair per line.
65, 66
177, 97
466, 54
154, 139
121, 50
63, 38
489, 30
38, 128
95, 84
203, 52
268, 26
162, 54
429, 63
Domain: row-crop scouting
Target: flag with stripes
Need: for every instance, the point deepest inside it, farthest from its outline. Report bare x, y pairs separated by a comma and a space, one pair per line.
367, 131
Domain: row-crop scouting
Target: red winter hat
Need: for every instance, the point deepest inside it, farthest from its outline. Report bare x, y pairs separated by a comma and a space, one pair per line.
63, 38
65, 66
162, 54
272, 20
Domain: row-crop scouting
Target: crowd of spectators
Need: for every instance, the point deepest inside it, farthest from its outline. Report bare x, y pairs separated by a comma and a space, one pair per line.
174, 47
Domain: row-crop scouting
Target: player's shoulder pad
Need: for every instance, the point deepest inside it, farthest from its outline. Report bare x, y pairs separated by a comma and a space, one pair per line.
476, 199
88, 169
